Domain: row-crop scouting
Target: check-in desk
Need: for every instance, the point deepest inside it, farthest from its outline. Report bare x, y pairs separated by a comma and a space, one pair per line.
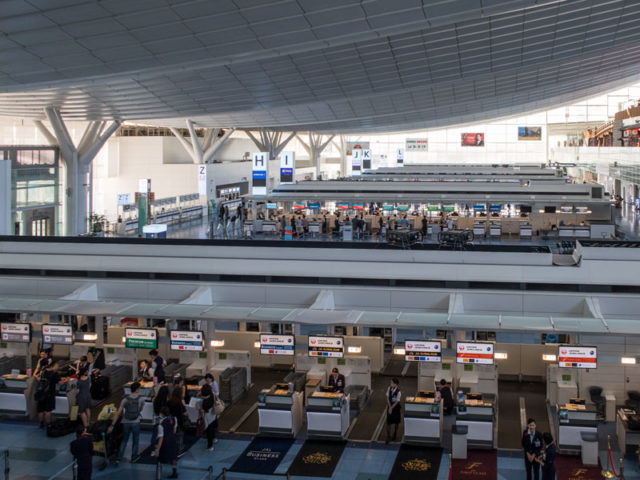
495, 229
525, 230
146, 389
279, 411
479, 229
328, 415
625, 435
315, 229
12, 398
572, 420
311, 386
422, 420
478, 416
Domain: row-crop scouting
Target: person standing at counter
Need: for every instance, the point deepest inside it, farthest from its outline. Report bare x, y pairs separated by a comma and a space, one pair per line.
209, 380
130, 409
532, 446
45, 394
166, 446
43, 362
208, 414
84, 396
337, 380
394, 396
82, 450
446, 396
157, 365
548, 458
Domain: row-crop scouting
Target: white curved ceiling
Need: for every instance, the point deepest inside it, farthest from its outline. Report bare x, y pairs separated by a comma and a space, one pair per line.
324, 65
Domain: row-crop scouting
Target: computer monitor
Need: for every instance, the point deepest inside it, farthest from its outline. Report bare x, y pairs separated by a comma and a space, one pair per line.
474, 396
282, 386
327, 388
577, 401
427, 394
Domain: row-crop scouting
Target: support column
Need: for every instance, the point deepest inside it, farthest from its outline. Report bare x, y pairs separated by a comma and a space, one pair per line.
341, 145
270, 141
5, 197
315, 148
77, 160
99, 326
211, 333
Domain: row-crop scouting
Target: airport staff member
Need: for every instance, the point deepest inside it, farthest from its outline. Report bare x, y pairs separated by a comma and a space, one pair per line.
337, 380
447, 397
532, 446
157, 365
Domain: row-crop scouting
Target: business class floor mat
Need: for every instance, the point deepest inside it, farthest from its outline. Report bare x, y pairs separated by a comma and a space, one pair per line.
479, 464
416, 463
317, 458
262, 456
571, 468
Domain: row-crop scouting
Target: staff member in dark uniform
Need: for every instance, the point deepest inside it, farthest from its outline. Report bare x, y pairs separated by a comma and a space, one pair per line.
532, 445
548, 458
394, 395
447, 397
158, 364
337, 381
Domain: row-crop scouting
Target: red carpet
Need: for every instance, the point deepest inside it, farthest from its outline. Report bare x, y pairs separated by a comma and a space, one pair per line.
480, 464
571, 468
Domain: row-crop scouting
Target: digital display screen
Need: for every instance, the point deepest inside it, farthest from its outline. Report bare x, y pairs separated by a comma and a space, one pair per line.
388, 207
342, 206
186, 340
474, 352
422, 351
272, 206
141, 338
403, 207
57, 334
577, 357
299, 205
15, 332
314, 205
259, 178
277, 344
358, 206
322, 346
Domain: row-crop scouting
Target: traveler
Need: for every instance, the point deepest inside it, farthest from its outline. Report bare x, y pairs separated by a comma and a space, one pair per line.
45, 395
166, 447
130, 410
209, 380
532, 446
144, 372
209, 416
394, 396
548, 458
43, 362
178, 410
82, 451
157, 365
84, 397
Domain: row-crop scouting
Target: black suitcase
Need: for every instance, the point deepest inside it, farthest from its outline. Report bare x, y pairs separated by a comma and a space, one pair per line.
633, 422
100, 388
61, 427
99, 429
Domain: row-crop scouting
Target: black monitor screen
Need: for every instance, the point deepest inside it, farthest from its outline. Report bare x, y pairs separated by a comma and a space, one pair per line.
549, 209
525, 208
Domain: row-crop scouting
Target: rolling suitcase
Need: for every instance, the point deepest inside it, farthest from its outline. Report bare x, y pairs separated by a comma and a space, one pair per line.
61, 427
100, 388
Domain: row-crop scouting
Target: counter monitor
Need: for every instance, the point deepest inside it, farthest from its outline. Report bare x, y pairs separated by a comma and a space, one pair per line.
474, 352
577, 357
422, 351
141, 338
324, 346
277, 344
186, 340
15, 332
272, 206
57, 334
342, 206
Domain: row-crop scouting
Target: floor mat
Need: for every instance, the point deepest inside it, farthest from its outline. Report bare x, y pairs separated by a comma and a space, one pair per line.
416, 463
145, 457
479, 464
317, 458
262, 456
571, 468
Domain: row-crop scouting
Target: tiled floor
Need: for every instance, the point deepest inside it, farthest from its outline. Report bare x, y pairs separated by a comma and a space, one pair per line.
33, 456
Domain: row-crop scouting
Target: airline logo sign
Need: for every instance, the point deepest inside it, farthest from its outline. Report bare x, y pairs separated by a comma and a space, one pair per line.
356, 161
15, 332
478, 353
422, 351
141, 338
260, 162
185, 340
400, 156
326, 347
366, 159
57, 334
577, 357
287, 166
277, 345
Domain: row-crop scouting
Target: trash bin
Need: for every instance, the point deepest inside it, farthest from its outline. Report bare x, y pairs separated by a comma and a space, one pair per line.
589, 448
459, 441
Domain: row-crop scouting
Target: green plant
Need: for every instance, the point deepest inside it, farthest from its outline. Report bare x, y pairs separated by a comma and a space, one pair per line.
97, 222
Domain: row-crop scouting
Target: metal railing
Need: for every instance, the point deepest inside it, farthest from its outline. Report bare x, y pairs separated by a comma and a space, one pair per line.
223, 475
5, 456
74, 471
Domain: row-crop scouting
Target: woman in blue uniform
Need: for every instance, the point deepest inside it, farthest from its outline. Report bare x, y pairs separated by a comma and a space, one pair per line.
166, 448
82, 451
393, 408
548, 458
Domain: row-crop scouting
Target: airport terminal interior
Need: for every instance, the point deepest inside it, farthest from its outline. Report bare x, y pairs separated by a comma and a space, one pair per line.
302, 239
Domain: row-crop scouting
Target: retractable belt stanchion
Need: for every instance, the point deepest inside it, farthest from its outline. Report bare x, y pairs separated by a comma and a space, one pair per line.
606, 473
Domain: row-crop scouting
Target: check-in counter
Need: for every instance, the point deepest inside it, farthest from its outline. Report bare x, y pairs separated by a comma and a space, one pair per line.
495, 229
479, 229
626, 436
268, 227
572, 420
146, 389
525, 230
14, 400
478, 416
315, 228
422, 419
279, 411
311, 386
569, 231
328, 415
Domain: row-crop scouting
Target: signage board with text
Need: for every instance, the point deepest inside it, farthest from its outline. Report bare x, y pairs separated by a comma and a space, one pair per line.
577, 357
15, 332
474, 352
186, 340
422, 351
277, 344
324, 346
57, 334
141, 338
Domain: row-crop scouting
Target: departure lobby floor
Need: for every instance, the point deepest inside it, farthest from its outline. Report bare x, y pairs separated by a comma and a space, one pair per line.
33, 456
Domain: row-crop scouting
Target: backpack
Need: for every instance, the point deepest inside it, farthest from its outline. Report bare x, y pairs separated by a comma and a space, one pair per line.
132, 408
